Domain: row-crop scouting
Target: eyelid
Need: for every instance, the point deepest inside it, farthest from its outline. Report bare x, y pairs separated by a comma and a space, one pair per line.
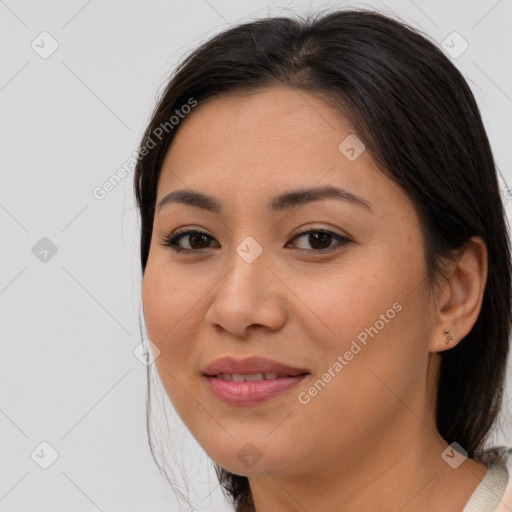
298, 231
172, 239
308, 227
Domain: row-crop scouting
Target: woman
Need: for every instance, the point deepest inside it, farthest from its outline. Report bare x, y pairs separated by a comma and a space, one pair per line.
326, 268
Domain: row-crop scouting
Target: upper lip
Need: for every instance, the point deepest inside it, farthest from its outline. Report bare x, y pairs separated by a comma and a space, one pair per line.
251, 365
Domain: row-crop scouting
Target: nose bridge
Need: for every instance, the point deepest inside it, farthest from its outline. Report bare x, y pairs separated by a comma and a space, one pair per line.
246, 294
248, 272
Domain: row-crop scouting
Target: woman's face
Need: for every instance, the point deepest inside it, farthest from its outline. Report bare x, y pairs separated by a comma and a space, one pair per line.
351, 312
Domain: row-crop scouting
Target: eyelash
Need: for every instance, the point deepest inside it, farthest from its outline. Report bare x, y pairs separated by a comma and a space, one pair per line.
171, 240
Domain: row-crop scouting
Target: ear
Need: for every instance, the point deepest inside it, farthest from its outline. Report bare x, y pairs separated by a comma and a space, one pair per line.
461, 297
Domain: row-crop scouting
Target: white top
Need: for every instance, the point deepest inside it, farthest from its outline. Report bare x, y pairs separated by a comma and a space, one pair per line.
494, 492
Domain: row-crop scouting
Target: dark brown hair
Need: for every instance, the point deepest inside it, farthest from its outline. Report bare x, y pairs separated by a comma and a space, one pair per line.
416, 115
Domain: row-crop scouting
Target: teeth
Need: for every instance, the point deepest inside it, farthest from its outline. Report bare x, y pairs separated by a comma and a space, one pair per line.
238, 377
256, 376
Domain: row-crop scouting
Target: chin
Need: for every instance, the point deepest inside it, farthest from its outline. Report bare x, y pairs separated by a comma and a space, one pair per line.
252, 458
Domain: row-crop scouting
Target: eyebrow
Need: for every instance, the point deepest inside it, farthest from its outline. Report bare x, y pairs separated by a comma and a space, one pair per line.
284, 201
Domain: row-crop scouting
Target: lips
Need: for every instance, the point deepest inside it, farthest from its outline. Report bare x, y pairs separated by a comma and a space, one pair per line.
250, 366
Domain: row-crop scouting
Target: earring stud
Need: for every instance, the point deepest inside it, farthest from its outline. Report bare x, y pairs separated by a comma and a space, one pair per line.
448, 337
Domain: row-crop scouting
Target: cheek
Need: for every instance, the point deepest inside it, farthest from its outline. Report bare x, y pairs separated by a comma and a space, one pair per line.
369, 372
168, 305
168, 313
358, 300
374, 322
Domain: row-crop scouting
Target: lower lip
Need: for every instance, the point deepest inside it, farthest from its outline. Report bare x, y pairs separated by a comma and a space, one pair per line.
251, 392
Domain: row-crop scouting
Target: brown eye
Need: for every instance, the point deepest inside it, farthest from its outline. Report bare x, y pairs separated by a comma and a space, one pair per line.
197, 241
321, 241
318, 240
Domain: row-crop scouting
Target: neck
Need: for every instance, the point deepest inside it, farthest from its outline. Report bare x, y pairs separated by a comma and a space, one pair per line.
401, 469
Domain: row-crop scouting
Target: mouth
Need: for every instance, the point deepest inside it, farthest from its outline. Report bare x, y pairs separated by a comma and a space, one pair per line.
251, 392
251, 368
250, 381
252, 377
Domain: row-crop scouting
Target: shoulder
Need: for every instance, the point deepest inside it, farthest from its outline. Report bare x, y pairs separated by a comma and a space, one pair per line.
505, 460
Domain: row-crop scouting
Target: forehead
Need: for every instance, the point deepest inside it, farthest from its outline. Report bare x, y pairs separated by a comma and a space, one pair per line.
267, 140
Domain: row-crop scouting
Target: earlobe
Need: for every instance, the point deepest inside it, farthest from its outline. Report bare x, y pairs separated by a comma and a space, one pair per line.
462, 296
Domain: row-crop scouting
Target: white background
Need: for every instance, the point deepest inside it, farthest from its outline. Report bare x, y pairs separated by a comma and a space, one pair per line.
69, 326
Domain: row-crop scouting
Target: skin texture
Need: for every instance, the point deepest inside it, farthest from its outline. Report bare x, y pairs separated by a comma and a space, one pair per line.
368, 439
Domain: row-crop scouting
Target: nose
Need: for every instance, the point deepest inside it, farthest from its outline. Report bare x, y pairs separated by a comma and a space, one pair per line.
248, 296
